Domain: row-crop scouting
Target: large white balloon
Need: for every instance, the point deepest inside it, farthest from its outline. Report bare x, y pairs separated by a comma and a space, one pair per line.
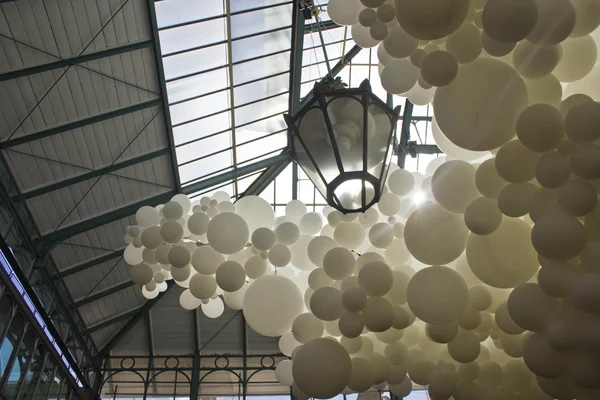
435, 236
437, 295
271, 304
256, 211
227, 233
322, 368
476, 112
344, 12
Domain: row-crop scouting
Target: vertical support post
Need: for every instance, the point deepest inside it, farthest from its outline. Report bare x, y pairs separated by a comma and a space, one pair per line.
245, 355
148, 320
195, 381
405, 133
27, 366
13, 357
39, 380
296, 77
47, 396
195, 376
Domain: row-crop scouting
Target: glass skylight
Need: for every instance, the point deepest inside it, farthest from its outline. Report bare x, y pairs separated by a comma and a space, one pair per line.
227, 70
226, 66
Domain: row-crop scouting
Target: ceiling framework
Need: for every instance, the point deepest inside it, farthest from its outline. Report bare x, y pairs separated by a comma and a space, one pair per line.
92, 129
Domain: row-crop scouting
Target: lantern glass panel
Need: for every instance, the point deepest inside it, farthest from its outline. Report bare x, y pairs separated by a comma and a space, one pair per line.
346, 116
378, 138
308, 167
349, 193
343, 141
314, 134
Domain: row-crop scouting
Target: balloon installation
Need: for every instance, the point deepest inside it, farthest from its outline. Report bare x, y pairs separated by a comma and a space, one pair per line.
480, 280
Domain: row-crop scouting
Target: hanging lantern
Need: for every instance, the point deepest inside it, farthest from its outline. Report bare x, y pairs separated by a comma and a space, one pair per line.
343, 139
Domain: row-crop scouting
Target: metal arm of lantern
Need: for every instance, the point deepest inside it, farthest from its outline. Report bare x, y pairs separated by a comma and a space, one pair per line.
314, 168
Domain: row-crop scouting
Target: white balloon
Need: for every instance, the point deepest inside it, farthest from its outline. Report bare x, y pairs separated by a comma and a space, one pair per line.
311, 224
147, 216
283, 372
133, 255
141, 274
227, 233
198, 223
362, 37
214, 308
271, 304
235, 300
344, 12
179, 256
256, 211
399, 76
294, 211
172, 211
230, 276
188, 301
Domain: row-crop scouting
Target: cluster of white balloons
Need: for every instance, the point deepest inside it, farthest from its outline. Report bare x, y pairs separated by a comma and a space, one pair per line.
422, 45
478, 279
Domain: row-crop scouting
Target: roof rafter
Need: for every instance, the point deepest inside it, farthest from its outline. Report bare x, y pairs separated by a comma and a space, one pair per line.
65, 62
138, 313
236, 173
90, 263
79, 123
114, 319
94, 173
111, 216
103, 293
160, 74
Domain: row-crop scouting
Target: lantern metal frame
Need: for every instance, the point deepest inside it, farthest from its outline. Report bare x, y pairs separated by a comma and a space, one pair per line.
320, 98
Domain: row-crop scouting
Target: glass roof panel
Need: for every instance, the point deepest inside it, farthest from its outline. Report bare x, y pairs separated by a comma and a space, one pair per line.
262, 108
170, 12
192, 62
261, 20
197, 130
197, 85
200, 107
259, 46
216, 162
255, 130
260, 68
216, 83
260, 89
203, 148
189, 37
243, 5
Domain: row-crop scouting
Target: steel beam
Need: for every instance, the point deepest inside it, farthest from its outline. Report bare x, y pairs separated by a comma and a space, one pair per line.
265, 179
103, 352
103, 293
160, 74
114, 319
79, 123
90, 263
298, 32
338, 67
94, 173
236, 173
325, 25
52, 238
65, 62
405, 132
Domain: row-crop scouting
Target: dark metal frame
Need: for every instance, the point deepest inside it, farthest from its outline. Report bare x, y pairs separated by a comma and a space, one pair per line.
320, 99
39, 342
196, 369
